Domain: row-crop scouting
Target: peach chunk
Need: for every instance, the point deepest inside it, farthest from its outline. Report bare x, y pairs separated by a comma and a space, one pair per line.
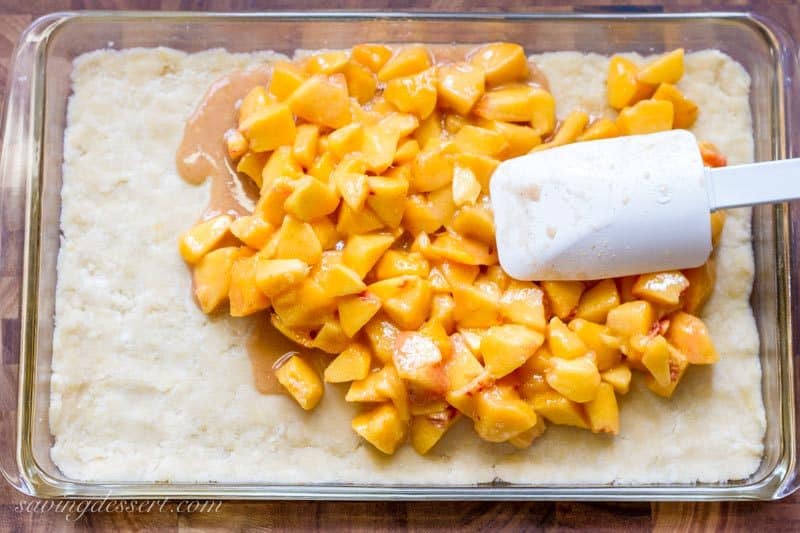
301, 381
211, 277
526, 438
297, 240
428, 429
460, 85
701, 285
598, 339
323, 100
656, 359
382, 337
666, 69
600, 129
362, 252
647, 116
631, 319
577, 379
618, 377
350, 365
685, 110
203, 238
559, 410
622, 86
275, 276
501, 62
501, 414
597, 301
419, 361
381, 385
523, 303
519, 103
506, 347
661, 287
243, 293
311, 199
563, 296
381, 427
286, 78
254, 101
269, 128
252, 230
372, 56
413, 94
691, 337
603, 412
386, 198
406, 62
677, 367
357, 310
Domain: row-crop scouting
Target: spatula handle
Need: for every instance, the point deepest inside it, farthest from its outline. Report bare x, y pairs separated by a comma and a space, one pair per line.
758, 183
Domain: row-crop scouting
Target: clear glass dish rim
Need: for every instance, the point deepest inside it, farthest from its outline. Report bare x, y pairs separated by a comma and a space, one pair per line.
776, 484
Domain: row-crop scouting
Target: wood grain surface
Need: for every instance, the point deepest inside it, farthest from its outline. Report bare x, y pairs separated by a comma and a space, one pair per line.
20, 513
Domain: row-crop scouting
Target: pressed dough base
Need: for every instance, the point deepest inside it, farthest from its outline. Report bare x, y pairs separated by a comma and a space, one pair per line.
147, 388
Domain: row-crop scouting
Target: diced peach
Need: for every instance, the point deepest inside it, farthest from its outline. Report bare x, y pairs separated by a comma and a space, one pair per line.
570, 129
481, 166
519, 103
431, 170
427, 430
357, 310
275, 276
235, 143
474, 222
372, 56
386, 198
327, 62
322, 100
306, 305
381, 427
361, 82
501, 414
563, 296
297, 240
631, 319
341, 280
701, 285
331, 338
685, 110
362, 252
563, 342
600, 129
252, 165
301, 381
622, 87
526, 438
211, 277
346, 139
311, 199
323, 166
506, 347
460, 85
395, 263
597, 301
382, 336
243, 293
409, 308
419, 361
413, 94
454, 247
501, 62
523, 303
475, 140
677, 367
520, 139
350, 365
603, 412
712, 157
407, 61
559, 409
458, 274
382, 385
691, 337
598, 339
666, 69
661, 287
618, 377
326, 233
475, 308
286, 78
717, 224
203, 238
353, 223
254, 101
380, 140
656, 359
281, 164
269, 128
406, 151
577, 379
647, 116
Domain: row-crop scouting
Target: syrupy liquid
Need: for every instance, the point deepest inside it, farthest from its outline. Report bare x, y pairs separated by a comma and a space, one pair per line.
203, 155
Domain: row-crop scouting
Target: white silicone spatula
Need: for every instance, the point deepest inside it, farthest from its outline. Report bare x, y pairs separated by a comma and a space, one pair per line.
621, 206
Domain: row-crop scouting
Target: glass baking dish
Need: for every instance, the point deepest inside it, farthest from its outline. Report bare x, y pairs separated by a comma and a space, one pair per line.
30, 170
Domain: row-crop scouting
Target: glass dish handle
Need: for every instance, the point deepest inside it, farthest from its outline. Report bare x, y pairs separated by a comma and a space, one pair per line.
18, 167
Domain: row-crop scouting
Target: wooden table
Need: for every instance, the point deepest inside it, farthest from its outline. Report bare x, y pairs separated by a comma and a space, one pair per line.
19, 513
